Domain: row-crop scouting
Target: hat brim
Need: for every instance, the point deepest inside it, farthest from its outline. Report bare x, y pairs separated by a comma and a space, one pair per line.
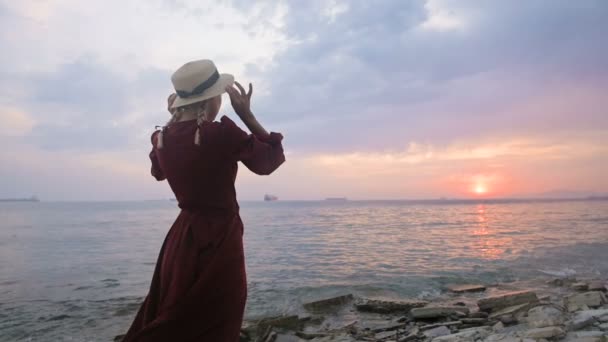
216, 89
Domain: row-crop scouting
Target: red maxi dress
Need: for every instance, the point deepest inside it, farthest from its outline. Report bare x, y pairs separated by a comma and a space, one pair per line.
199, 286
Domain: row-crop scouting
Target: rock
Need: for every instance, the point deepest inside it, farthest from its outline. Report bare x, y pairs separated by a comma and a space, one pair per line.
603, 326
466, 288
389, 327
479, 314
334, 338
597, 285
466, 335
498, 327
507, 319
579, 301
411, 337
501, 338
581, 322
310, 336
436, 332
474, 321
328, 304
545, 316
281, 322
386, 307
511, 310
288, 338
495, 303
585, 336
384, 335
547, 332
437, 311
445, 324
580, 286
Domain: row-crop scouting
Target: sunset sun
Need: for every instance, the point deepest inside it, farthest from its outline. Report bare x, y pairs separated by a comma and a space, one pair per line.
480, 189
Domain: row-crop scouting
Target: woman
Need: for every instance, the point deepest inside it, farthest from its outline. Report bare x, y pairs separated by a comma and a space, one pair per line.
199, 286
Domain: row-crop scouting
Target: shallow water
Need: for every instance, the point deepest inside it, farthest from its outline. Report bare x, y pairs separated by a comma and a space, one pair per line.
78, 271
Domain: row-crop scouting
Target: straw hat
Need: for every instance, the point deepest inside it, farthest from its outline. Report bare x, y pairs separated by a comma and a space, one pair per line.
198, 81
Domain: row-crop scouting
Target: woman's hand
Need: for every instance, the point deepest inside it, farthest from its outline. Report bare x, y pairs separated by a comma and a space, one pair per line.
240, 100
170, 101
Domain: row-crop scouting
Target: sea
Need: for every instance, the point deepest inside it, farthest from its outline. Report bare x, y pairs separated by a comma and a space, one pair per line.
79, 271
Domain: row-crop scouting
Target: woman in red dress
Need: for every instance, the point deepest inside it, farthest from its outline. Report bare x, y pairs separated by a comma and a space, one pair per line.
199, 286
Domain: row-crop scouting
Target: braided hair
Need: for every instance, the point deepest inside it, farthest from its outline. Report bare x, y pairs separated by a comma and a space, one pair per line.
201, 111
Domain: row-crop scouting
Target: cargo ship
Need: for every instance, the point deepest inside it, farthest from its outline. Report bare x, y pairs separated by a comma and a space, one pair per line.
270, 198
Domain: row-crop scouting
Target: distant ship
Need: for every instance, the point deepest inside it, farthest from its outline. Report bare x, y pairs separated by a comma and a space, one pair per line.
270, 198
31, 199
337, 199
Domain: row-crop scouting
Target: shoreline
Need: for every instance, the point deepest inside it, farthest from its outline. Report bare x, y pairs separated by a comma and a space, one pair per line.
559, 309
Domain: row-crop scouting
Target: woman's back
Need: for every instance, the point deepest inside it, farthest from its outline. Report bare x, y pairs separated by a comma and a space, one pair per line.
202, 176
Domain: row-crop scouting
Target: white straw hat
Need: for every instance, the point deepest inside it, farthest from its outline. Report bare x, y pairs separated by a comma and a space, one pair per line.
198, 81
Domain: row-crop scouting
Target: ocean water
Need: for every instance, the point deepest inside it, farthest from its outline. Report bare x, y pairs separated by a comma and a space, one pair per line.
79, 271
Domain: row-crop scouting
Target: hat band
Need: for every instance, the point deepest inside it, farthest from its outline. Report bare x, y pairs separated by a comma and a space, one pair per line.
199, 89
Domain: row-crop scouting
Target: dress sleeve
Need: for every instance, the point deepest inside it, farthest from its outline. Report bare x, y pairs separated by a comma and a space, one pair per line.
261, 155
156, 171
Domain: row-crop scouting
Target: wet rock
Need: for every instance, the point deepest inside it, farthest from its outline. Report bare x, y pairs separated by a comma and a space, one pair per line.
545, 316
328, 304
466, 288
388, 307
546, 332
579, 301
438, 311
466, 335
511, 310
436, 332
495, 303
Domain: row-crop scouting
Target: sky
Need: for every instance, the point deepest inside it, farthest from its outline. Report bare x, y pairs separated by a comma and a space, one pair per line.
376, 99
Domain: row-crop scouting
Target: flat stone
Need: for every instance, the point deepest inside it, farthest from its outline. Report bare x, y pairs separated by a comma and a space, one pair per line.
388, 307
580, 286
445, 324
385, 334
495, 303
327, 304
438, 311
466, 288
597, 285
581, 322
546, 332
585, 336
545, 316
436, 332
579, 301
389, 327
466, 335
511, 310
603, 326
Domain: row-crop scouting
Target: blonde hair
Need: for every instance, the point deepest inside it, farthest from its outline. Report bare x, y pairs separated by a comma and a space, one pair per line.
201, 111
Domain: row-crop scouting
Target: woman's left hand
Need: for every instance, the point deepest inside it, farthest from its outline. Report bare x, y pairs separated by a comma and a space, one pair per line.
241, 100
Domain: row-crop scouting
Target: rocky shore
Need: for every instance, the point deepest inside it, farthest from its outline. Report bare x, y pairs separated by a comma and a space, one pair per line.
561, 309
